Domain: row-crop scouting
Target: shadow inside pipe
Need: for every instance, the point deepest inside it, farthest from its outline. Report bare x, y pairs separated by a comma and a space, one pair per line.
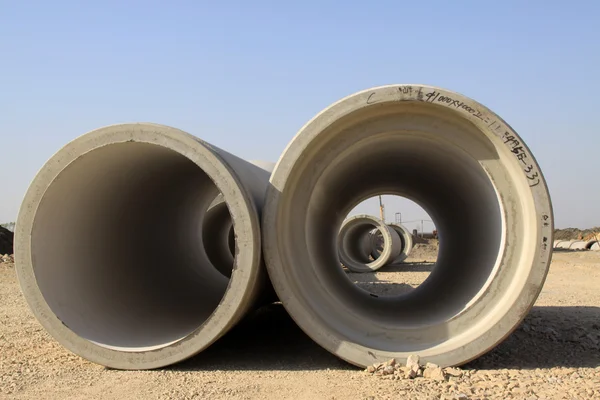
409, 267
270, 340
558, 250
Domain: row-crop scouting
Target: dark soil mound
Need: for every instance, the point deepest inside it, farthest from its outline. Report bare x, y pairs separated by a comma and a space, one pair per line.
6, 241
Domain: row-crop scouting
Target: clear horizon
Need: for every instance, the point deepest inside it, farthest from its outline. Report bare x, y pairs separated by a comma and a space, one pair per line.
246, 77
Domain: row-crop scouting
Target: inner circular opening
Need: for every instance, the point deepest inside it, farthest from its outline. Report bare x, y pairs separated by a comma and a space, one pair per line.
422, 153
219, 237
357, 242
117, 247
414, 265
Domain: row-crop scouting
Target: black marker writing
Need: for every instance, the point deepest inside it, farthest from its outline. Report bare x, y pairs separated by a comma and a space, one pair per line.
369, 101
459, 105
517, 149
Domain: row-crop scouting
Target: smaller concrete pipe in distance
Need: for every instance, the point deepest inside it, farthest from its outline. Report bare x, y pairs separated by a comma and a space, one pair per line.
354, 244
565, 244
469, 171
217, 230
109, 247
406, 240
590, 243
555, 243
578, 245
595, 246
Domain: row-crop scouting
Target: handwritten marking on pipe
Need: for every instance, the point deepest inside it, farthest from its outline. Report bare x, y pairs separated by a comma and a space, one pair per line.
369, 99
517, 149
545, 218
435, 97
509, 140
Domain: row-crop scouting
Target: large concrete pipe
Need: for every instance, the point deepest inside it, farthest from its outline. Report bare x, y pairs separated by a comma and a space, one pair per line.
109, 250
354, 243
470, 172
590, 243
405, 239
217, 229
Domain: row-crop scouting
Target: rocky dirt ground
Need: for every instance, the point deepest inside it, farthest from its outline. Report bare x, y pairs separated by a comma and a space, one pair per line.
554, 354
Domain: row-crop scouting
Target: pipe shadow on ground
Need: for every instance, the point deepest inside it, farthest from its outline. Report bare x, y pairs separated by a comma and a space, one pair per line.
426, 266
270, 340
267, 340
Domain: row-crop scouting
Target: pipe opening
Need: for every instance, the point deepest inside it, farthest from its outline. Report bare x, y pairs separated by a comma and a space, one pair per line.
412, 155
218, 236
418, 251
355, 246
117, 247
469, 171
357, 242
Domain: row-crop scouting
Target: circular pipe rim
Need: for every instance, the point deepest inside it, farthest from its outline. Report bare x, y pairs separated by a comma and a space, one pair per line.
405, 238
235, 302
495, 130
390, 244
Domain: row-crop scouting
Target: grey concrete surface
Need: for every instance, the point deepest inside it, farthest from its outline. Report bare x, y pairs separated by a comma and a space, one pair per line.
565, 244
355, 244
217, 229
578, 245
406, 239
109, 251
470, 172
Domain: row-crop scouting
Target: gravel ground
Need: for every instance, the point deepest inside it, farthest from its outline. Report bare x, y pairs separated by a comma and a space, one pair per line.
554, 354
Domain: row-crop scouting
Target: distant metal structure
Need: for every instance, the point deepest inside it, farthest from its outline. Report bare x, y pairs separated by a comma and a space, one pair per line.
381, 209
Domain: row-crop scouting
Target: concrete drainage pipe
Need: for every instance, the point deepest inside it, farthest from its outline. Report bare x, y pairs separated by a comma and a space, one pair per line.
578, 245
470, 172
405, 239
217, 230
354, 243
109, 250
218, 236
566, 244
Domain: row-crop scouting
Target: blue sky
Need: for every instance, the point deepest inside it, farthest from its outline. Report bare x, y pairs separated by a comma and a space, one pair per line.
246, 76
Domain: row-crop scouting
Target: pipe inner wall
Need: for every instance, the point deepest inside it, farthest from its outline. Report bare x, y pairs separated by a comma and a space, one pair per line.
110, 252
494, 223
